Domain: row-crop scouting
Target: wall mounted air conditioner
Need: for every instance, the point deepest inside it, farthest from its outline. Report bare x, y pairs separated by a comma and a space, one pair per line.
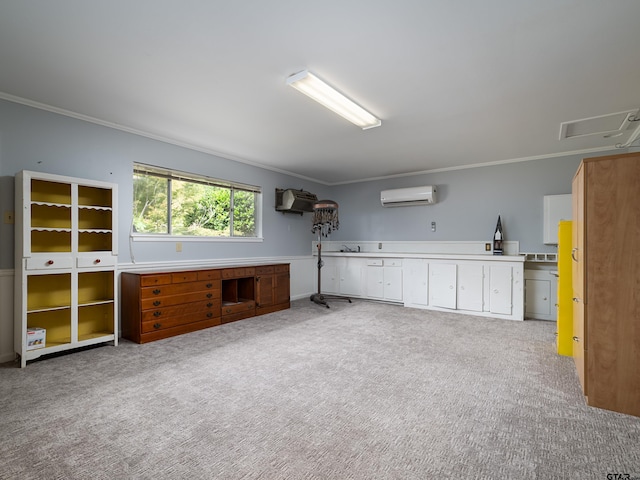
401, 197
294, 201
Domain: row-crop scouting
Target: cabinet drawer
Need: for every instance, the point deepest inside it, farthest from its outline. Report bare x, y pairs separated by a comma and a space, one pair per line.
96, 261
177, 288
182, 277
208, 274
265, 270
374, 262
162, 279
157, 325
231, 308
281, 268
168, 300
395, 262
164, 312
42, 262
238, 272
232, 317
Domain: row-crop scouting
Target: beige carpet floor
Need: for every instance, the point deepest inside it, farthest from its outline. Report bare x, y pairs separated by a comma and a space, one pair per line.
357, 391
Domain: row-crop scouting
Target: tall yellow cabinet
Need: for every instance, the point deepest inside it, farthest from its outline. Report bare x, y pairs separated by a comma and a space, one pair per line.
606, 281
565, 290
66, 255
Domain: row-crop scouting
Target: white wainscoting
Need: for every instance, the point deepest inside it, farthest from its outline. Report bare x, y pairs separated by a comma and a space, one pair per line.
6, 316
302, 269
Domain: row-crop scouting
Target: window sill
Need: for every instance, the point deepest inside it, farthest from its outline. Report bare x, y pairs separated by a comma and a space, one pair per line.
187, 238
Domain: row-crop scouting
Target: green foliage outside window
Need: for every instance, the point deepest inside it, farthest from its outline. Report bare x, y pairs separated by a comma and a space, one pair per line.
197, 209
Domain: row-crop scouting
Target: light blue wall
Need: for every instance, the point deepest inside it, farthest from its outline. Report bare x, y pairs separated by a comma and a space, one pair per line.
33, 139
469, 200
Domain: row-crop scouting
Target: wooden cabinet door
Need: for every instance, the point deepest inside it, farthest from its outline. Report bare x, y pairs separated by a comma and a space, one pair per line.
264, 290
577, 273
579, 353
577, 234
611, 282
281, 287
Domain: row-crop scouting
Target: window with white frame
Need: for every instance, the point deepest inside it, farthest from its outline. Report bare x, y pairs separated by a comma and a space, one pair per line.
168, 202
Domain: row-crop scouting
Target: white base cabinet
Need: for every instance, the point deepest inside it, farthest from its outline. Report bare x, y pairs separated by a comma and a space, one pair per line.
541, 294
483, 286
384, 279
343, 276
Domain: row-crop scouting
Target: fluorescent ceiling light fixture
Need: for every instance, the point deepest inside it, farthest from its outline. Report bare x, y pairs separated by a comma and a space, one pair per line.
307, 83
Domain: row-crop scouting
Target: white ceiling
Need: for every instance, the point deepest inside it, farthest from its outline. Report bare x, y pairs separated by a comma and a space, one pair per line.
455, 83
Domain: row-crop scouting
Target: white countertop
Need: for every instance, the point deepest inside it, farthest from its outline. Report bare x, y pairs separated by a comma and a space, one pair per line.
447, 256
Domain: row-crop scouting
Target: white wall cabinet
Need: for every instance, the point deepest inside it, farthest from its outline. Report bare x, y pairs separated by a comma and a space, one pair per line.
66, 252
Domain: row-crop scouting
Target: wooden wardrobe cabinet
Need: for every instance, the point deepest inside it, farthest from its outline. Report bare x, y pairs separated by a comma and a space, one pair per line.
606, 281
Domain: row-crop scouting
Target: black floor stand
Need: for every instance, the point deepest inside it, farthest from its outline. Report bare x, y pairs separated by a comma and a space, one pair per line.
320, 298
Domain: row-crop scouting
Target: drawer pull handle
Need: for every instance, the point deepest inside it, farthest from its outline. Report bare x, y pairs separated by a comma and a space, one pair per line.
209, 315
157, 325
209, 285
575, 299
209, 304
97, 260
209, 295
50, 262
228, 310
249, 307
157, 303
573, 256
156, 291
157, 313
576, 339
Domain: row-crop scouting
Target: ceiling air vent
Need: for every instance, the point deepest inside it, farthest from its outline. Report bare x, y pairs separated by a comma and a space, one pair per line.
606, 125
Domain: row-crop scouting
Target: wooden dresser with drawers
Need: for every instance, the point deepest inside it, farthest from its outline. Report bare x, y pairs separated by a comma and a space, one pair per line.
158, 305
